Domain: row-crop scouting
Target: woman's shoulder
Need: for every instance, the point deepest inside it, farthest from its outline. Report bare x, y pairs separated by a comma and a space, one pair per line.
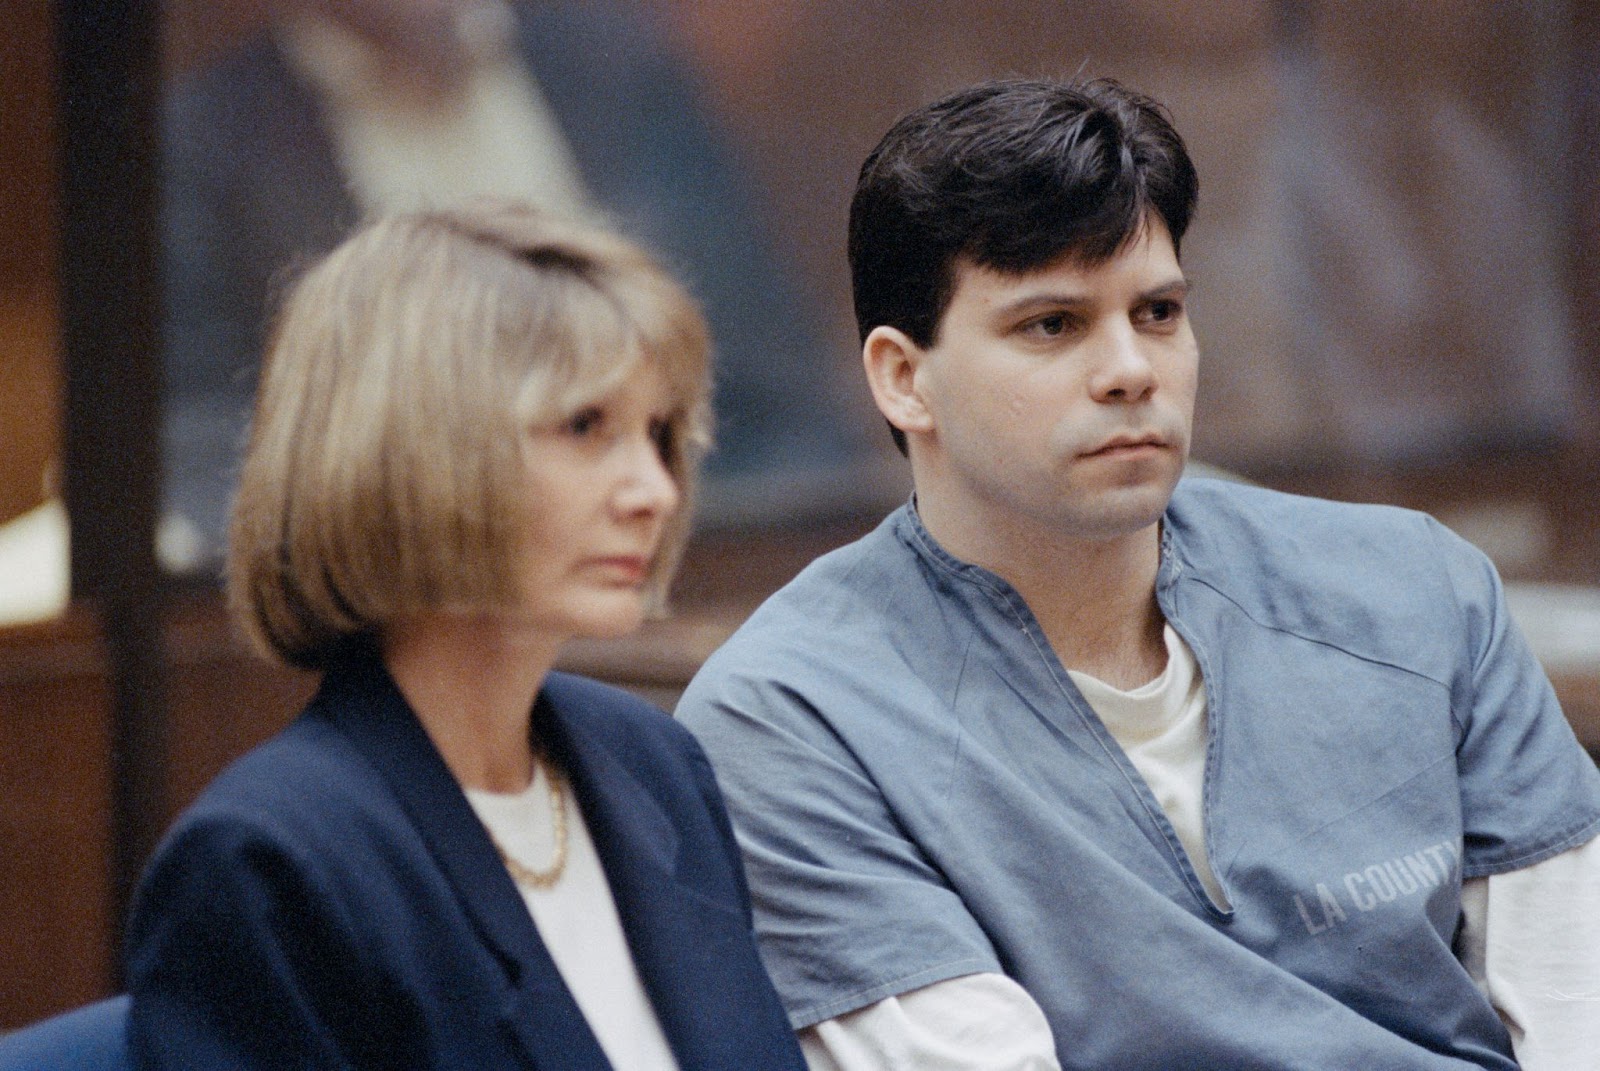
303, 790
592, 714
618, 708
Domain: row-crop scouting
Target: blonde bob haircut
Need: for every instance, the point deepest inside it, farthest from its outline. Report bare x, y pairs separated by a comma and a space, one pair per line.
385, 469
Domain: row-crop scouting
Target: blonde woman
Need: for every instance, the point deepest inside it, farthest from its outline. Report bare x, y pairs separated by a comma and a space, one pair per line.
476, 438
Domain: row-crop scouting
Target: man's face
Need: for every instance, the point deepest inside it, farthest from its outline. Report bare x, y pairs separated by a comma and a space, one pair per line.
1058, 402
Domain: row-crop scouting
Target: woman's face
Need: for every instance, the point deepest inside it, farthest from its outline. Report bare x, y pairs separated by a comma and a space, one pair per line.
599, 495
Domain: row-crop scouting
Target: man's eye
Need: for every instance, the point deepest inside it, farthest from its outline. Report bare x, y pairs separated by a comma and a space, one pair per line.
1163, 311
1052, 325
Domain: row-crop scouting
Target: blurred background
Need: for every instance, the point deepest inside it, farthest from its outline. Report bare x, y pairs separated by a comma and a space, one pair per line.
1393, 268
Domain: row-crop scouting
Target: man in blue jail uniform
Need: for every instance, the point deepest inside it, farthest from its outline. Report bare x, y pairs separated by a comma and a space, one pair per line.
1072, 764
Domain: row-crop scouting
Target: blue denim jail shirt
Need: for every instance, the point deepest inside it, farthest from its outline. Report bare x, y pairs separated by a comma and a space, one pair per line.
921, 792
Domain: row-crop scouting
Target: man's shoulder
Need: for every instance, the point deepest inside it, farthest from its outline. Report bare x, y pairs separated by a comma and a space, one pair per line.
1215, 499
841, 596
836, 621
1353, 574
1216, 520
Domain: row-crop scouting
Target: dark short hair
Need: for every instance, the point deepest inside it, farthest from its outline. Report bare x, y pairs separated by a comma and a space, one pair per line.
1010, 175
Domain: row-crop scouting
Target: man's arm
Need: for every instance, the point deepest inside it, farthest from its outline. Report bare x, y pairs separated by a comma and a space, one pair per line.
1531, 940
1531, 805
849, 908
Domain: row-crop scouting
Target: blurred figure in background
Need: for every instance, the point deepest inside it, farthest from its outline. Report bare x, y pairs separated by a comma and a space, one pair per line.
346, 107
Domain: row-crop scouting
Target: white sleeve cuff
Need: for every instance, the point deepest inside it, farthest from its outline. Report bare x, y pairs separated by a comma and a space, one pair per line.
1541, 958
977, 1021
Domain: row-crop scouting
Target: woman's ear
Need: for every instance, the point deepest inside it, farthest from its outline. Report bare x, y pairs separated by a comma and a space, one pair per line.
892, 362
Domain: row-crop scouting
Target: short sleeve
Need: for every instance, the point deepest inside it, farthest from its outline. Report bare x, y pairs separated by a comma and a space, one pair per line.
848, 910
1528, 789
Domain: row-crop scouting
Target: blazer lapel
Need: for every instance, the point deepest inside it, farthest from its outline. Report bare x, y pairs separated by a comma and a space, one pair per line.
675, 932
540, 1009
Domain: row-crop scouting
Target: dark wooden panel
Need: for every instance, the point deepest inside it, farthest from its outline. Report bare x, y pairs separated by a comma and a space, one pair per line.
30, 377
27, 149
107, 96
55, 819
222, 698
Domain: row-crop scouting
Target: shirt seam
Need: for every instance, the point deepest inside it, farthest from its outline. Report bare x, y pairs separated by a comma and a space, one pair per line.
1320, 642
1015, 607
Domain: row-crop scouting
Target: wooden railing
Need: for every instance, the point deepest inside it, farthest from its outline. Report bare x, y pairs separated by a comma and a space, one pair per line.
56, 799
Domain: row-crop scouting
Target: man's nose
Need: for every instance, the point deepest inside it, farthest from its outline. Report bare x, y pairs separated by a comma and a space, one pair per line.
1124, 372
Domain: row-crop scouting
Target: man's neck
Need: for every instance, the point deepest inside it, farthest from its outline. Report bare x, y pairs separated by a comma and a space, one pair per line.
1106, 622
1094, 598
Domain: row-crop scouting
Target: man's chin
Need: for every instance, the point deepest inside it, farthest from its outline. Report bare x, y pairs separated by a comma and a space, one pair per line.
1126, 510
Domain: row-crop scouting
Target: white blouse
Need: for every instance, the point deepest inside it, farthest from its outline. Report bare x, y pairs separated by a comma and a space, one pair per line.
577, 919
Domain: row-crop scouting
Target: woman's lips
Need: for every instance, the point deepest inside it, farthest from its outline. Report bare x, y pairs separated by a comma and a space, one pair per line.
629, 568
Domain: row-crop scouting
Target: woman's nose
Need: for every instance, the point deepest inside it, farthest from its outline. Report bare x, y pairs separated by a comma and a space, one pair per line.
647, 485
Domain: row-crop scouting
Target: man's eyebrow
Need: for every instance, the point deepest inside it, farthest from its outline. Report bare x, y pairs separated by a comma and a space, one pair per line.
1178, 287
1172, 288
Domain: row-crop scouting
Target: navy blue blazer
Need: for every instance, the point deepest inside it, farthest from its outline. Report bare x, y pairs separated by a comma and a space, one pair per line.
332, 901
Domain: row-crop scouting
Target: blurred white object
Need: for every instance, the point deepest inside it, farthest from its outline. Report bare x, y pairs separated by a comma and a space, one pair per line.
1562, 623
1517, 535
180, 545
34, 565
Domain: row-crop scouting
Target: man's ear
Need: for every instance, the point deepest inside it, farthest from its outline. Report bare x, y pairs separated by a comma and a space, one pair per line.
892, 362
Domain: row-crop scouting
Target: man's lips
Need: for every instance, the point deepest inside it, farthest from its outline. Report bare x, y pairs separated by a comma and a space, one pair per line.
1127, 444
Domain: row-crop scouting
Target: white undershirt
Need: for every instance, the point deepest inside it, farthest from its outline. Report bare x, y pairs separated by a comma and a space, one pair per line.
982, 1021
1530, 938
1161, 726
577, 920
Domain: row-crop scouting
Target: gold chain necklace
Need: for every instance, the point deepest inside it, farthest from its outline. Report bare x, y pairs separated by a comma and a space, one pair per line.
526, 875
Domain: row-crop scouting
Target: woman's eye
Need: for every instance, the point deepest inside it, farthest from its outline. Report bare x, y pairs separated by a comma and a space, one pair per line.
586, 421
661, 435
